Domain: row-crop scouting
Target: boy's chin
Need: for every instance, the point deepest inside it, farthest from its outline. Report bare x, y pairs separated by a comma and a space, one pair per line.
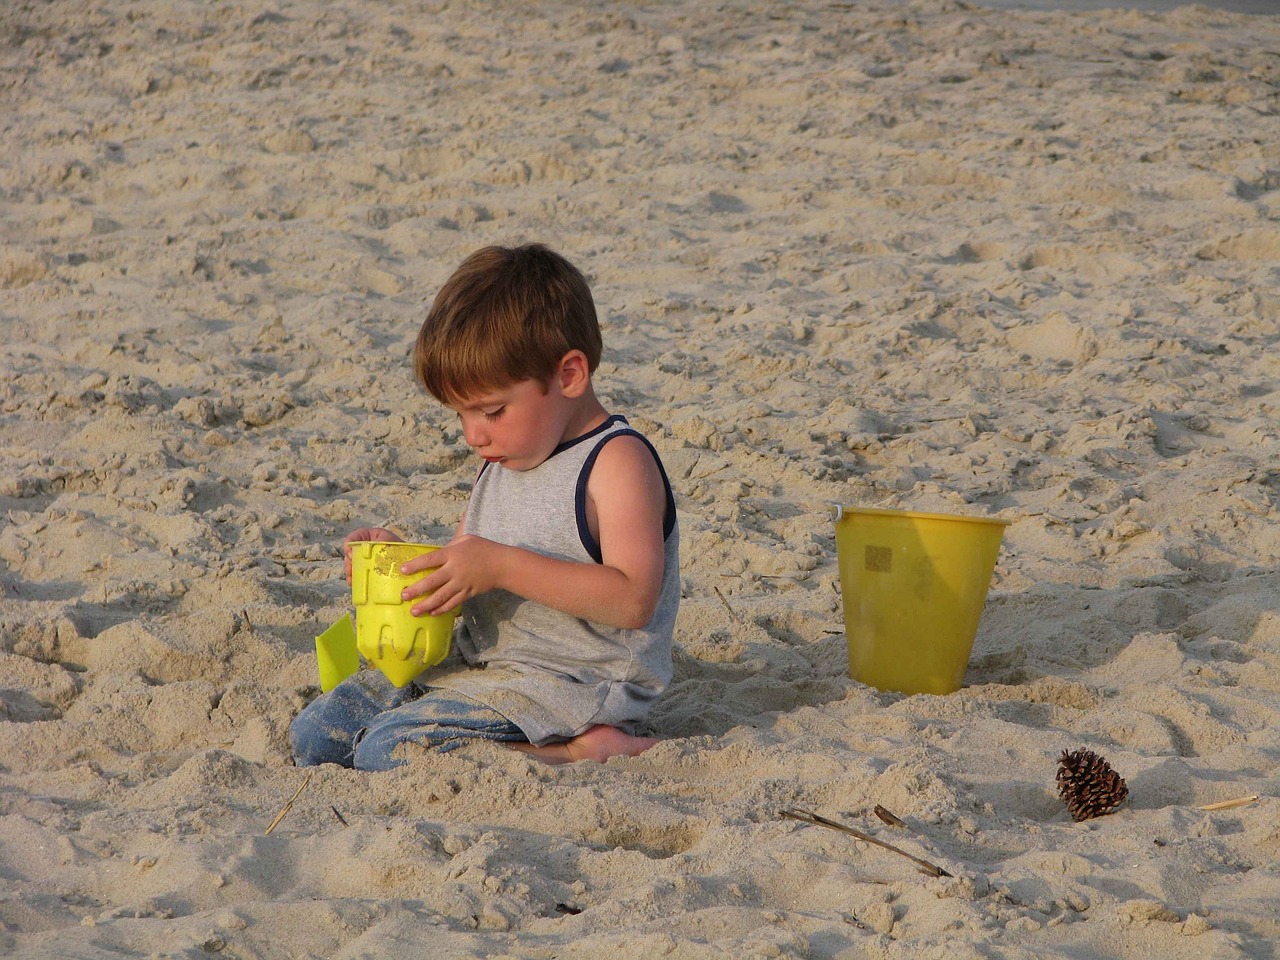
516, 465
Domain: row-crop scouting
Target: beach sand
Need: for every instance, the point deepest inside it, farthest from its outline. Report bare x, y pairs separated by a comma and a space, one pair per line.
923, 255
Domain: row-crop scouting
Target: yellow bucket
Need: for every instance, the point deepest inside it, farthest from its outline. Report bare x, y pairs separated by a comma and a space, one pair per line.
913, 587
388, 635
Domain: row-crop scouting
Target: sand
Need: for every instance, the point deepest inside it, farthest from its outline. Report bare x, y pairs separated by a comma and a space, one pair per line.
923, 255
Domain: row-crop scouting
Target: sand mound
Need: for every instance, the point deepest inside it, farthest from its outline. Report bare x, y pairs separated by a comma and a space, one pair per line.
913, 254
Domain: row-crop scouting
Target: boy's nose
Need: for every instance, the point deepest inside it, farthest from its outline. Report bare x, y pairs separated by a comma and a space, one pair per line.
475, 435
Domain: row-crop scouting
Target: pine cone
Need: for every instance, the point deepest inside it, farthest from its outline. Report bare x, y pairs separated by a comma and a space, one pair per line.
1088, 785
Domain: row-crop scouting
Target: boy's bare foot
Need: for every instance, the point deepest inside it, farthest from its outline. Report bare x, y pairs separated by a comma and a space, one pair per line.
598, 743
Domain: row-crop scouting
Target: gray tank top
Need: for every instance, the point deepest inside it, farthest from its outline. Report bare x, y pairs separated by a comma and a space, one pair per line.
551, 674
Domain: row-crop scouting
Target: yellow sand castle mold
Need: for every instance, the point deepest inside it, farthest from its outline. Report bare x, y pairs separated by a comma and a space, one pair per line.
913, 587
388, 635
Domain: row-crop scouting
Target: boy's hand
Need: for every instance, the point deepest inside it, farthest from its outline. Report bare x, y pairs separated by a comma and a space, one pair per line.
466, 568
364, 533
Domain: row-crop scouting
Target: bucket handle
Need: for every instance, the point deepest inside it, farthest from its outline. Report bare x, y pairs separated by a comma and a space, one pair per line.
836, 510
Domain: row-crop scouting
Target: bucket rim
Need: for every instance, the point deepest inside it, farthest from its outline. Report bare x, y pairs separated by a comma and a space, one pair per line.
839, 511
426, 547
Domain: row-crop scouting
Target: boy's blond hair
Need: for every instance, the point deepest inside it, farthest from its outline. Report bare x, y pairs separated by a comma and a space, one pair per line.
507, 314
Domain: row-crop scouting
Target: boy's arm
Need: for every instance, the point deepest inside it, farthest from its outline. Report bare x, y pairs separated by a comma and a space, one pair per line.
628, 499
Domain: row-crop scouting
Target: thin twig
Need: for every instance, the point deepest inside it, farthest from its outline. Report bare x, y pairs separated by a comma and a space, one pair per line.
341, 819
248, 624
1228, 804
806, 816
280, 816
733, 613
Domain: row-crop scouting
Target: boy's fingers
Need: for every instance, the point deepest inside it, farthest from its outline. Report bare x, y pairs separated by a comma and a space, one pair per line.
436, 605
428, 561
368, 533
425, 607
421, 587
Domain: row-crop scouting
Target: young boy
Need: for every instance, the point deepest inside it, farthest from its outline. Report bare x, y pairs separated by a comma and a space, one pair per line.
565, 564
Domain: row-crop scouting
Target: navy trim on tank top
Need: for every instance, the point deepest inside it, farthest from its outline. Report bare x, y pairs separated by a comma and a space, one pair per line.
560, 448
580, 495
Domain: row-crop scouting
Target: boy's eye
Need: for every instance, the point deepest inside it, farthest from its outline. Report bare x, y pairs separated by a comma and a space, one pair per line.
493, 414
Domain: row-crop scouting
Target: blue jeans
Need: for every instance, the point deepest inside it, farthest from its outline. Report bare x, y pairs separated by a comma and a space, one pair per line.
361, 721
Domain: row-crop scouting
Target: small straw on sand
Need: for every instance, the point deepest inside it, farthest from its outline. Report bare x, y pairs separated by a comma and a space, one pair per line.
285, 809
1228, 804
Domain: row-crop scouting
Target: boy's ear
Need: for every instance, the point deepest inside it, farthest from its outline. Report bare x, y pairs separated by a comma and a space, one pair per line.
574, 374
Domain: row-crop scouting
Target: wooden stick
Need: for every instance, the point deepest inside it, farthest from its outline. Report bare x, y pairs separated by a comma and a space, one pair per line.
280, 816
806, 816
1228, 804
341, 819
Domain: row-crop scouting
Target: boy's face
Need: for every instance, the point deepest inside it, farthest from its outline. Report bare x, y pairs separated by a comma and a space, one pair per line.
518, 426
